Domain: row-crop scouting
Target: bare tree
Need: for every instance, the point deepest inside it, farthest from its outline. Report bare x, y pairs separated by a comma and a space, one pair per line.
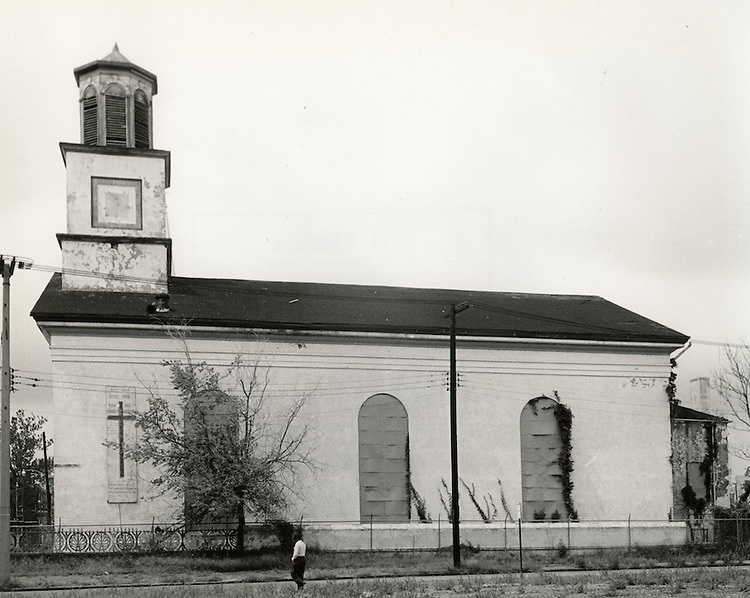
221, 444
733, 384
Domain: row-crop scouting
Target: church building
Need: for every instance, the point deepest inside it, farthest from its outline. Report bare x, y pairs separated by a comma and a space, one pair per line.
561, 404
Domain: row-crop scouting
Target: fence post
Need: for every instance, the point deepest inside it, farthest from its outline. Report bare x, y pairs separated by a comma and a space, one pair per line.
629, 534
739, 532
370, 531
570, 545
520, 541
439, 531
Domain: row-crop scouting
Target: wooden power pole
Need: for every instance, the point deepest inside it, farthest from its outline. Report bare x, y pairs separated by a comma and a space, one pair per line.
455, 518
8, 265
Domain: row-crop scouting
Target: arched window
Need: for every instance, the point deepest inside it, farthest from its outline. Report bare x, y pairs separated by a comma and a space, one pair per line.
115, 116
541, 476
211, 430
383, 460
89, 117
142, 120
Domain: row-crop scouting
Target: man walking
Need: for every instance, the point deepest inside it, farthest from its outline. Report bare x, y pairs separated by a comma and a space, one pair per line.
298, 561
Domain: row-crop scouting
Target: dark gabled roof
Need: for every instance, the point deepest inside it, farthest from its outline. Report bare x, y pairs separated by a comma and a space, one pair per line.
680, 412
301, 306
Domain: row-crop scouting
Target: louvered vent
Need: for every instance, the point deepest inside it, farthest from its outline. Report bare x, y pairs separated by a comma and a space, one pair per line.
116, 121
142, 136
90, 128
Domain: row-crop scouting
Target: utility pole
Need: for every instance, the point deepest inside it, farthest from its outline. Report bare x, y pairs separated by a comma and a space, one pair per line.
454, 438
8, 264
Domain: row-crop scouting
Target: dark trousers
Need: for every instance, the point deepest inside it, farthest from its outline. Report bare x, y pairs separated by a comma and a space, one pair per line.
298, 571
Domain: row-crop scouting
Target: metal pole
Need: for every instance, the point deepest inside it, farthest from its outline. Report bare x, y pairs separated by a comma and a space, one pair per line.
454, 444
7, 264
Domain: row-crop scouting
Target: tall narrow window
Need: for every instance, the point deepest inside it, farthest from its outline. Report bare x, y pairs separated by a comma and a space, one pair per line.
90, 117
541, 441
122, 482
696, 479
115, 117
142, 120
383, 460
211, 443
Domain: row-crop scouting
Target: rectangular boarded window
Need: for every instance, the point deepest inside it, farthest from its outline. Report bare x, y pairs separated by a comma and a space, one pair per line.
122, 473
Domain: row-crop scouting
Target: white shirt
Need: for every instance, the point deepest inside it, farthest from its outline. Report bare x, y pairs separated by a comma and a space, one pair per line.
299, 549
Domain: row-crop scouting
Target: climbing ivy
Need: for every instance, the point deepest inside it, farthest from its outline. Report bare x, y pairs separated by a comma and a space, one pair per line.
565, 459
414, 497
671, 388
707, 465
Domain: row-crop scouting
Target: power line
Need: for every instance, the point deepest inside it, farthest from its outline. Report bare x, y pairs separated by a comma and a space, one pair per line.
96, 274
721, 344
329, 388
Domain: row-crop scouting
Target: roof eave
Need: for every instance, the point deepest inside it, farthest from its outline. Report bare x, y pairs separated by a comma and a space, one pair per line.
667, 343
165, 155
119, 66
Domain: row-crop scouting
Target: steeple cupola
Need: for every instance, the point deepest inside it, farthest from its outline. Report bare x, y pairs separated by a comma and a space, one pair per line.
117, 237
115, 97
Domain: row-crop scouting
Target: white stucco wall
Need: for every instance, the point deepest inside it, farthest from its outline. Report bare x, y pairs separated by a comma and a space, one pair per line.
123, 266
81, 166
621, 438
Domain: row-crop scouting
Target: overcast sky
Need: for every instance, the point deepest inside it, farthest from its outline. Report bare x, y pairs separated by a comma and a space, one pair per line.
550, 146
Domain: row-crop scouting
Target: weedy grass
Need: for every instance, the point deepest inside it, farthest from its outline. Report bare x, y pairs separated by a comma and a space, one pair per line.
622, 569
632, 584
368, 588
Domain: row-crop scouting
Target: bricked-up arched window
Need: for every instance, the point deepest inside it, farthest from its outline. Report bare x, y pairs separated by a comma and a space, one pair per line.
142, 120
90, 117
115, 116
541, 476
383, 460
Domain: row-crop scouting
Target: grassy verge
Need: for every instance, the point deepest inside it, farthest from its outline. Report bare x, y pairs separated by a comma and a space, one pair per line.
55, 571
706, 583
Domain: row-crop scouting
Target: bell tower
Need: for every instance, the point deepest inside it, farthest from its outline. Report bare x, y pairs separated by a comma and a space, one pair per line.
117, 236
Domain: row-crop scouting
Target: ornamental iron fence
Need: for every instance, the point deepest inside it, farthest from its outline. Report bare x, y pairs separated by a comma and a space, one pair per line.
49, 539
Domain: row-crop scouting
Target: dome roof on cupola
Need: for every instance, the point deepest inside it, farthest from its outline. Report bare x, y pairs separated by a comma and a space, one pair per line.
114, 60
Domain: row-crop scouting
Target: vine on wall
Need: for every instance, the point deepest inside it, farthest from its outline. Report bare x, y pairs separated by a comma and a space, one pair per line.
565, 459
415, 498
447, 502
707, 465
420, 505
671, 388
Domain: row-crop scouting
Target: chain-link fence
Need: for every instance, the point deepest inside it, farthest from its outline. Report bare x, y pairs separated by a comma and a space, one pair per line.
732, 532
